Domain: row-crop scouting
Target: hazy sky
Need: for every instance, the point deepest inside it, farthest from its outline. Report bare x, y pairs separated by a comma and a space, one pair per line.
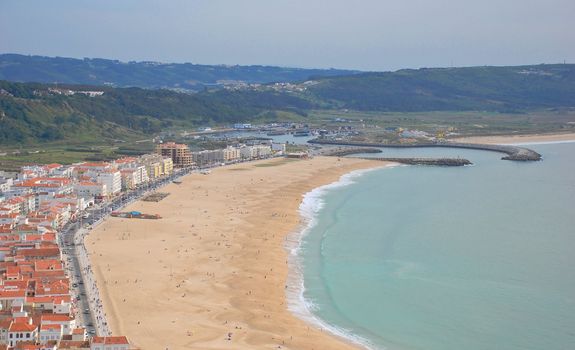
360, 34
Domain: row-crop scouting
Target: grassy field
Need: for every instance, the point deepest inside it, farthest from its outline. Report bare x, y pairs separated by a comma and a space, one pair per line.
370, 124
464, 123
11, 159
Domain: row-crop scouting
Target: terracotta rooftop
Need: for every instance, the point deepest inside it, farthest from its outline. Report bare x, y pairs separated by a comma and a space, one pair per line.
50, 327
43, 252
20, 293
22, 327
56, 318
110, 340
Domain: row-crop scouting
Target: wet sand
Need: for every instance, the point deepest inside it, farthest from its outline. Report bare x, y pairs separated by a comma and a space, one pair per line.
211, 274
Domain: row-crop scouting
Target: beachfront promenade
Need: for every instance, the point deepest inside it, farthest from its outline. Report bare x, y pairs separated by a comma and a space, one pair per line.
86, 290
87, 293
97, 313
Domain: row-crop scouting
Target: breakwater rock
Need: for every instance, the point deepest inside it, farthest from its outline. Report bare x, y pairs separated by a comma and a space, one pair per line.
513, 152
427, 161
346, 151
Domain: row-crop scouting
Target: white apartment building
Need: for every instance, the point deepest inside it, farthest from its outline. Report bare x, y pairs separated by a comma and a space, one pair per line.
246, 152
113, 181
66, 322
132, 177
65, 171
261, 151
20, 332
89, 189
50, 332
153, 164
5, 184
231, 154
208, 157
279, 147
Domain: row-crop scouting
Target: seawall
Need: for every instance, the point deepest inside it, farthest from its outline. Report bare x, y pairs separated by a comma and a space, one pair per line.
513, 152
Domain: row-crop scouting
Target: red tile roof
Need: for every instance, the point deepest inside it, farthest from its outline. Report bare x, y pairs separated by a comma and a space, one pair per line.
40, 252
6, 294
56, 318
50, 327
53, 166
22, 327
118, 340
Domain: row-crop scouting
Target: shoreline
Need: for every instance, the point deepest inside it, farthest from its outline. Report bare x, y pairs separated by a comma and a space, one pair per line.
518, 139
311, 205
207, 279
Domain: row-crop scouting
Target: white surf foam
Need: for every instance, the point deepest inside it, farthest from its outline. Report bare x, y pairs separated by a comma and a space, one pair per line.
303, 308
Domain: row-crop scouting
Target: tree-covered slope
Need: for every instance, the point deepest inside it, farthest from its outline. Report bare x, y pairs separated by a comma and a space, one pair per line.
31, 112
474, 88
97, 71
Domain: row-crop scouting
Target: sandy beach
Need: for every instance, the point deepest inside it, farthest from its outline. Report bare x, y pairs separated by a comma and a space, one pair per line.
510, 139
211, 274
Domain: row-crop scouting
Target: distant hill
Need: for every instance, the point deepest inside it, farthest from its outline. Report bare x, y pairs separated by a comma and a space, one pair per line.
502, 89
33, 112
187, 76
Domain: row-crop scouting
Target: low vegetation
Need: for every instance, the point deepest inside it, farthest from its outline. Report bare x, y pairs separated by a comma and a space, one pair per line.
487, 100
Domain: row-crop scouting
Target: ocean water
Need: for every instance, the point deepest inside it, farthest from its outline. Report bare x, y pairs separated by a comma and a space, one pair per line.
477, 257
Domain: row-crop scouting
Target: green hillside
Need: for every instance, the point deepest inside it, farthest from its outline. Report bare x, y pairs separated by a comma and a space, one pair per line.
30, 112
97, 71
33, 112
503, 89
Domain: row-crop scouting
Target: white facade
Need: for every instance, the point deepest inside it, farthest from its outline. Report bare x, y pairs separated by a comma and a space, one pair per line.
5, 184
279, 147
48, 333
17, 336
208, 157
261, 151
256, 151
64, 171
63, 308
91, 189
109, 343
230, 154
246, 152
68, 325
112, 180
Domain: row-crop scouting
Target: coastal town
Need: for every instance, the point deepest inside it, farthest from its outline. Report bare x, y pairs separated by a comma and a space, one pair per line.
48, 295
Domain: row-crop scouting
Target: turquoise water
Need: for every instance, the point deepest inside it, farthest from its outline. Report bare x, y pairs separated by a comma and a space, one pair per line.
479, 257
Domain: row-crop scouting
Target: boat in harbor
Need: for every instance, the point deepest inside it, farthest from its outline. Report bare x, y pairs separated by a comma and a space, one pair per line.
301, 133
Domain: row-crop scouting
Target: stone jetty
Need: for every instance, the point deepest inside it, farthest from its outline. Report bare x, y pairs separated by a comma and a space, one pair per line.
427, 161
513, 152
